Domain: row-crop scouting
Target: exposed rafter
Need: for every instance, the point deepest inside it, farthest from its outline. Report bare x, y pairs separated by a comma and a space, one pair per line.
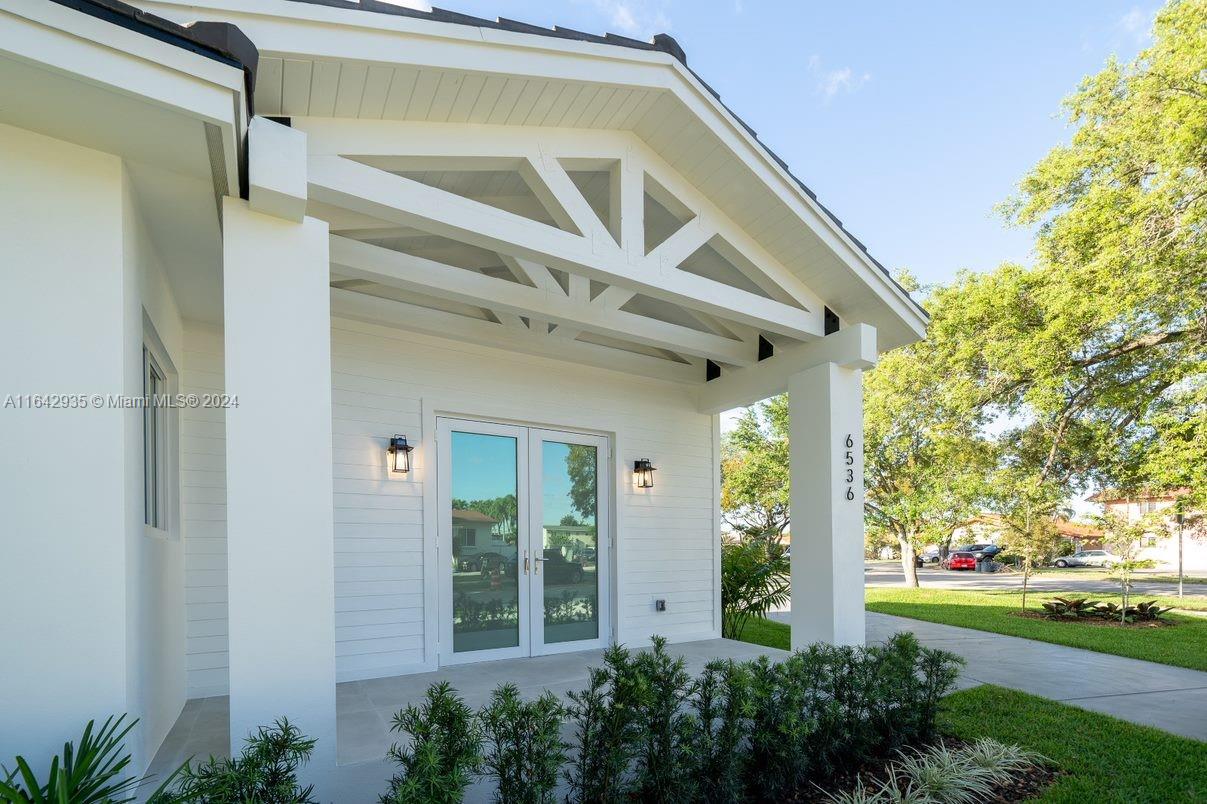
362, 307
342, 182
359, 260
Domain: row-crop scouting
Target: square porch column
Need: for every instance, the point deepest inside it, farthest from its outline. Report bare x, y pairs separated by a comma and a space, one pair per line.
280, 548
825, 411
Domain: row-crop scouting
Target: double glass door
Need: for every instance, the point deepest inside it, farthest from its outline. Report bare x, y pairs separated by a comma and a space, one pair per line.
523, 540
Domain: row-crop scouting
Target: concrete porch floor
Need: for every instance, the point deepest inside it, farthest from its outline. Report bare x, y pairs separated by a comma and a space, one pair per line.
364, 709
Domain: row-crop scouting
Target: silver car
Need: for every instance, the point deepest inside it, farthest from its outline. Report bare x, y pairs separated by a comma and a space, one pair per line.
1089, 558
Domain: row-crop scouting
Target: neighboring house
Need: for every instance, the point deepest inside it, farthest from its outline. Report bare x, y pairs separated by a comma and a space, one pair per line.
987, 528
248, 246
1161, 548
474, 532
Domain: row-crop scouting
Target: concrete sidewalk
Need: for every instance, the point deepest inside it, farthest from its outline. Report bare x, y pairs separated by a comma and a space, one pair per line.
1171, 698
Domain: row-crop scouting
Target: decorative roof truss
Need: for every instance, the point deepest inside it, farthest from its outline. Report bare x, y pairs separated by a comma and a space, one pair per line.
608, 258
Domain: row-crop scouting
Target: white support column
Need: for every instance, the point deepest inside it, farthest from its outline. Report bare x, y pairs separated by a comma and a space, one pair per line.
280, 548
825, 409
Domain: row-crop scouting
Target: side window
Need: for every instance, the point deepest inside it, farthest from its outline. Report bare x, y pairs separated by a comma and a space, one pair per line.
155, 451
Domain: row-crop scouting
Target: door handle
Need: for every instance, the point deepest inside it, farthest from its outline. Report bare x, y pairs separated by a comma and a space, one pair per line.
537, 569
525, 562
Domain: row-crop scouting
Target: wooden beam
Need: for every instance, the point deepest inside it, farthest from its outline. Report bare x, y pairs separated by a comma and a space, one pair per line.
358, 260
342, 182
374, 310
853, 347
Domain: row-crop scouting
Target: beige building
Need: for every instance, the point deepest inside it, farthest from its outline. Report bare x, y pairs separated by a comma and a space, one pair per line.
1162, 548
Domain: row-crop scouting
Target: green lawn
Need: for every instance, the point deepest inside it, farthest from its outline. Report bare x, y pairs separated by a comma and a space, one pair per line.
1104, 759
1182, 646
1094, 574
767, 633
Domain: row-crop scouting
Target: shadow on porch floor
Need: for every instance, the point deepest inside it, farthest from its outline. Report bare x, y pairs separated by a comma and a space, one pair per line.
365, 708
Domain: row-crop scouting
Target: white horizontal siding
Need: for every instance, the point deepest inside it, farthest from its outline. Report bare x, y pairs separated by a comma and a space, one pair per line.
381, 381
203, 514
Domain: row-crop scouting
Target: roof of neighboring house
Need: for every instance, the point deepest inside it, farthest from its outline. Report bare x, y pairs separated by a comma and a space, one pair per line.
1115, 495
470, 515
1073, 530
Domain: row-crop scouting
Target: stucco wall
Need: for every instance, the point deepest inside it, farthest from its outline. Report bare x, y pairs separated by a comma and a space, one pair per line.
382, 382
93, 607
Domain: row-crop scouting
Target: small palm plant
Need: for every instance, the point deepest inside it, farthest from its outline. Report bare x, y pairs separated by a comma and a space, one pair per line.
90, 772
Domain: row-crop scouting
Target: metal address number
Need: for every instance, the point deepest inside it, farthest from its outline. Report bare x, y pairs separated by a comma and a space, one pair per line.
850, 461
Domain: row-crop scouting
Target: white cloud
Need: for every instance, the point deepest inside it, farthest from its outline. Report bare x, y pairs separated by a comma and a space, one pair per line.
639, 19
1136, 24
843, 80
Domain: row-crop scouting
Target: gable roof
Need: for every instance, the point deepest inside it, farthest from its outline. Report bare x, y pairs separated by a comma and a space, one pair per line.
224, 41
664, 43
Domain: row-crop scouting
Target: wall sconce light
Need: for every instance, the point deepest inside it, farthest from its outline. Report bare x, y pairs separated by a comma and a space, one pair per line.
643, 473
400, 454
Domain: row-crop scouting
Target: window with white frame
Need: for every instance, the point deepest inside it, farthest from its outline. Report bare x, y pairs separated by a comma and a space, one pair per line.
466, 537
155, 444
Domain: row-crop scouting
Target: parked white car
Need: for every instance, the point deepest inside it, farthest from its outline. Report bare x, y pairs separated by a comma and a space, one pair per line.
1089, 558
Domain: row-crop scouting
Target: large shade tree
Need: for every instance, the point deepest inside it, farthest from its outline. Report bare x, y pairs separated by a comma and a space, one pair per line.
754, 470
925, 459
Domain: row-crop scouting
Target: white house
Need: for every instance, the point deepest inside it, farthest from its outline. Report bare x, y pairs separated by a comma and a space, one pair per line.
302, 229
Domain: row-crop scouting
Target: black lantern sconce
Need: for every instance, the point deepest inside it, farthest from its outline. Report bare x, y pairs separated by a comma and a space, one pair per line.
400, 454
643, 473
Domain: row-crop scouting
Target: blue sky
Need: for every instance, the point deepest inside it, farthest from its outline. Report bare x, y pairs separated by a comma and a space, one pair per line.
484, 467
910, 120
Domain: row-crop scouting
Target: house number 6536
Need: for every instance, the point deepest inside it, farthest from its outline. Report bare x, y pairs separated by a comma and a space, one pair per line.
850, 467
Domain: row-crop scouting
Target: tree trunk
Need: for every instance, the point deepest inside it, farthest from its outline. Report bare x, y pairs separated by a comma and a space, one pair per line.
1026, 579
908, 568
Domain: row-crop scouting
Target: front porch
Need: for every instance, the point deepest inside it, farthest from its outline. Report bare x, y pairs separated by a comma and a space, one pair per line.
364, 709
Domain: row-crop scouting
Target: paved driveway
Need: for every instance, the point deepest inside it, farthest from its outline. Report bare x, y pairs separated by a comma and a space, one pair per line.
886, 573
1170, 698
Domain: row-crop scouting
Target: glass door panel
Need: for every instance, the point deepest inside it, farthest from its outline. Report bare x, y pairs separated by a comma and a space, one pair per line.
569, 557
484, 510
569, 536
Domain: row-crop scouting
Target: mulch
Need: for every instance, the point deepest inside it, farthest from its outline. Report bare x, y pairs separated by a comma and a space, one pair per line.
1096, 622
1026, 785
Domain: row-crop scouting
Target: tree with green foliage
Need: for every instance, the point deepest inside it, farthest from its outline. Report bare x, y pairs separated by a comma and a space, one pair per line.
754, 469
925, 458
1124, 539
1105, 341
1027, 505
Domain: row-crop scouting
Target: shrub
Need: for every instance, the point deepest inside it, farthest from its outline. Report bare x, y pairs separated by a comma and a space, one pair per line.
607, 729
826, 710
445, 750
1150, 611
778, 728
265, 771
722, 708
94, 770
524, 747
1066, 608
664, 768
942, 775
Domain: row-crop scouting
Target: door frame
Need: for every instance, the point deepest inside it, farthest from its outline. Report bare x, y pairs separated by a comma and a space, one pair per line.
440, 593
445, 427
603, 542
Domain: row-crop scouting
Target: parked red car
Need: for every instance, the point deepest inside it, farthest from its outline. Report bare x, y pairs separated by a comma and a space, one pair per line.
960, 561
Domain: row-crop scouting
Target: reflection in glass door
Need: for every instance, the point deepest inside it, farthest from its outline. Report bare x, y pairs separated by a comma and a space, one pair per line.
523, 540
566, 573
483, 477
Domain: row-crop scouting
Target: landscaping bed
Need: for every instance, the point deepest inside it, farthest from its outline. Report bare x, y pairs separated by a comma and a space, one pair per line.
999, 612
1101, 759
